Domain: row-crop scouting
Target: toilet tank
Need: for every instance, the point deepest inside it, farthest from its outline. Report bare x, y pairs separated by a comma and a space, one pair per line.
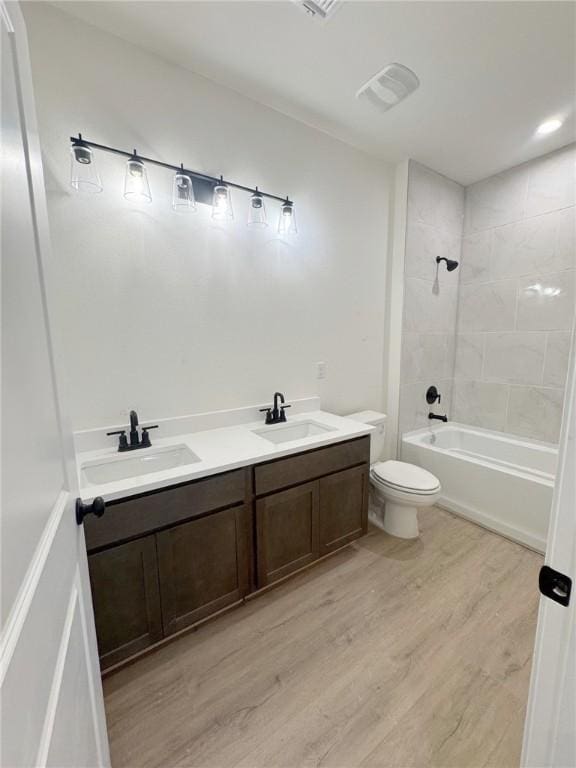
374, 419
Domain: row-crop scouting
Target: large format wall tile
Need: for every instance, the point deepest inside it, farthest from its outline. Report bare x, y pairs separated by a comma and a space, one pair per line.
433, 199
423, 244
426, 357
529, 248
487, 306
476, 252
480, 403
552, 182
535, 412
566, 236
429, 307
514, 357
557, 355
414, 409
469, 357
505, 347
497, 200
546, 302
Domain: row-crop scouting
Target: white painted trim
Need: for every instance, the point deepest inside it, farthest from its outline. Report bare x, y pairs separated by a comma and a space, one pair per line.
19, 611
492, 524
54, 697
6, 17
96, 702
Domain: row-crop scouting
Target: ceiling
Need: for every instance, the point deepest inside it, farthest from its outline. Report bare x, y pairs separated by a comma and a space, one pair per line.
490, 72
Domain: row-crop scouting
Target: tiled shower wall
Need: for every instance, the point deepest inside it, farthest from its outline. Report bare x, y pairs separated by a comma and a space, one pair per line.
433, 227
517, 298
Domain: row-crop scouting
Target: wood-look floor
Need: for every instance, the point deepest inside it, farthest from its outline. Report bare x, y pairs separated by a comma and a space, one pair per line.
391, 653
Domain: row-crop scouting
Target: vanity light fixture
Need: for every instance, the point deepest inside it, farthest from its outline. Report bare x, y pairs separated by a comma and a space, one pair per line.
548, 127
84, 175
222, 202
188, 187
183, 200
257, 211
136, 186
287, 220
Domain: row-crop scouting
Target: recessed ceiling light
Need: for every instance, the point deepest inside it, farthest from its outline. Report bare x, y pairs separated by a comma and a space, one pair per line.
549, 127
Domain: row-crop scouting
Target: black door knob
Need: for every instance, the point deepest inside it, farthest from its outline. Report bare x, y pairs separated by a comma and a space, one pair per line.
97, 507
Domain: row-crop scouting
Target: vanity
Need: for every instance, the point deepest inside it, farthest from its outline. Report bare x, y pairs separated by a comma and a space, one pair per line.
165, 559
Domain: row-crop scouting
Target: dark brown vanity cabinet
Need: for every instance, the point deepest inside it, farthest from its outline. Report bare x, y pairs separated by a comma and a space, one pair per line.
203, 567
165, 560
343, 508
126, 597
299, 524
287, 525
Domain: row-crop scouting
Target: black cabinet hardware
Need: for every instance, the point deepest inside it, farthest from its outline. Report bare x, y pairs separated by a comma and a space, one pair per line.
97, 507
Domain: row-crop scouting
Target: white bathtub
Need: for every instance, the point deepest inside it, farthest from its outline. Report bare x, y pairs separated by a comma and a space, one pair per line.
499, 481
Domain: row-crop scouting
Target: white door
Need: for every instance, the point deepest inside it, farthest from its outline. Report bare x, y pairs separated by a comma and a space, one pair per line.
52, 710
550, 733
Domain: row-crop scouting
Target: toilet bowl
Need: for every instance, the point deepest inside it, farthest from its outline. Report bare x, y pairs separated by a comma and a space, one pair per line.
398, 489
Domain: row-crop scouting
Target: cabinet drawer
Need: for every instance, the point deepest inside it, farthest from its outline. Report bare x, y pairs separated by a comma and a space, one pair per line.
143, 514
310, 465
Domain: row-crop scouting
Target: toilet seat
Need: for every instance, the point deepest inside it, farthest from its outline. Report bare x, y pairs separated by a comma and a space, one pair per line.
405, 478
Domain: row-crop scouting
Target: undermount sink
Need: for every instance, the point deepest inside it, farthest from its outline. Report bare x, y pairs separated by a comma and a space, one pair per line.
285, 433
141, 462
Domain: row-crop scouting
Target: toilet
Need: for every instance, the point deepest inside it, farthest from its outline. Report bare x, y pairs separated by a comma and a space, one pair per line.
398, 489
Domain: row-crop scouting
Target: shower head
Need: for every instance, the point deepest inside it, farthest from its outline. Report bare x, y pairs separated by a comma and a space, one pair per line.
450, 263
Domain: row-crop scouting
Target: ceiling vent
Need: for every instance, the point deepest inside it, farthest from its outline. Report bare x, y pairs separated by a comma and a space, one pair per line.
389, 87
319, 9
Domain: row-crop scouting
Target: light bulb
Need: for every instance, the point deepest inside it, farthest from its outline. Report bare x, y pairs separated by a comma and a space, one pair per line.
136, 187
287, 220
221, 202
257, 211
183, 200
84, 175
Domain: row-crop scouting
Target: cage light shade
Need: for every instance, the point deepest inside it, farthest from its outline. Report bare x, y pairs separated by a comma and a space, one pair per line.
136, 186
222, 203
287, 220
183, 200
257, 211
84, 176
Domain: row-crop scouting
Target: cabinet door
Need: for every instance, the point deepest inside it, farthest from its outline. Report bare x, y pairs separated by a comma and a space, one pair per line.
203, 567
343, 508
126, 598
287, 532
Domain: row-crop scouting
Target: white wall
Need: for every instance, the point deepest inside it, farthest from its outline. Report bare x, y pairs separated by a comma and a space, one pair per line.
174, 315
517, 298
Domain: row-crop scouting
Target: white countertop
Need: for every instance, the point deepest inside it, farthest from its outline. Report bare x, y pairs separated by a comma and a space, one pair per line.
219, 450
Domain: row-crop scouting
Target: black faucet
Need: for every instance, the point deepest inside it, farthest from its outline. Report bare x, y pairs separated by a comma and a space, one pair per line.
276, 414
436, 416
135, 440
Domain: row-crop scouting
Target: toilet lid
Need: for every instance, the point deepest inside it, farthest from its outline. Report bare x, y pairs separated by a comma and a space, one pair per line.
403, 475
